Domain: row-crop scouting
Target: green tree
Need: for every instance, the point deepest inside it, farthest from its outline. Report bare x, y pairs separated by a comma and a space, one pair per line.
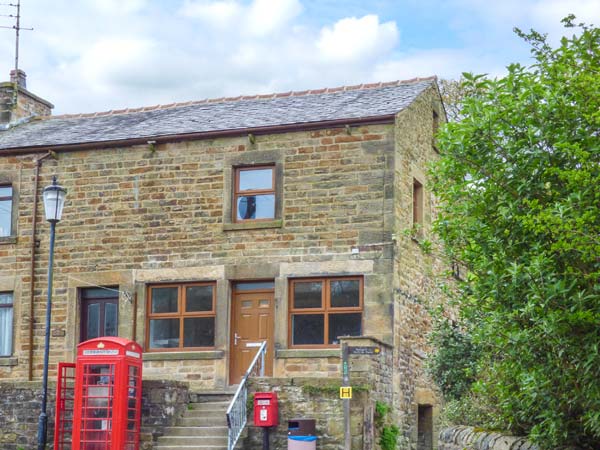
519, 188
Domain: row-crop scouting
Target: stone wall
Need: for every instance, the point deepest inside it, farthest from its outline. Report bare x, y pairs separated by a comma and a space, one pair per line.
318, 398
162, 403
419, 269
310, 398
28, 104
467, 438
137, 215
20, 403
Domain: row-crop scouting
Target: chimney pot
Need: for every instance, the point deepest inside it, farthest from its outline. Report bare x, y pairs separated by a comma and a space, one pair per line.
19, 77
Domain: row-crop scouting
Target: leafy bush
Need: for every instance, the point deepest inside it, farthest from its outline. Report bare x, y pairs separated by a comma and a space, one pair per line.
518, 185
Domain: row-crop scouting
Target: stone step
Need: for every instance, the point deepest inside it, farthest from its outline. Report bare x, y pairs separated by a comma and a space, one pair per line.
201, 413
193, 440
208, 421
211, 396
195, 431
209, 406
190, 447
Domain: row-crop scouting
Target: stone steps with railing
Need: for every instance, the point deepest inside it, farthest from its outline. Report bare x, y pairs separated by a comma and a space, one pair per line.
203, 425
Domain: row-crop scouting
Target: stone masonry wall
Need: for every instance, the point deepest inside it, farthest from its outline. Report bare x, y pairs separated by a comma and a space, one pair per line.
318, 398
28, 104
309, 398
20, 403
419, 271
467, 438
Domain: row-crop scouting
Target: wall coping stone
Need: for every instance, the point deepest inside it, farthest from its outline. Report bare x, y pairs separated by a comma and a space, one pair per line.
308, 353
366, 338
470, 438
182, 356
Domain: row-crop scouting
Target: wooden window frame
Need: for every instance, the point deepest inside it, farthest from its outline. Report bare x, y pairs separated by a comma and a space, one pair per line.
237, 193
326, 309
84, 304
11, 197
180, 314
10, 305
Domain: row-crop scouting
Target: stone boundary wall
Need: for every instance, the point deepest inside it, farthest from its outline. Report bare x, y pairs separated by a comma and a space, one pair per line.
468, 438
20, 403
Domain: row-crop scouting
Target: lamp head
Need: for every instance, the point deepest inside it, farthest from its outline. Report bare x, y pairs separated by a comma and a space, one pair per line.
54, 200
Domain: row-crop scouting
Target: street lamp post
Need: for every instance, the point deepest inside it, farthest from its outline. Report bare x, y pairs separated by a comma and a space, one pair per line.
54, 200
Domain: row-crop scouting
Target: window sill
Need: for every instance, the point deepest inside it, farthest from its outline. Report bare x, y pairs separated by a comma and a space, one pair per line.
8, 240
8, 361
308, 353
183, 356
277, 223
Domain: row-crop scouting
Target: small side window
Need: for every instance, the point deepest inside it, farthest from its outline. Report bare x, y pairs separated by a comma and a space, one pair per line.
6, 323
6, 207
417, 206
254, 193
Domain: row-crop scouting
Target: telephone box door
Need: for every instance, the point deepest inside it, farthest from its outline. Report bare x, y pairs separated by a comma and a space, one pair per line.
107, 395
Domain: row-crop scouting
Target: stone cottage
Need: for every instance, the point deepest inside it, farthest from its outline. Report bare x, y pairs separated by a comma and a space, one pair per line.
201, 229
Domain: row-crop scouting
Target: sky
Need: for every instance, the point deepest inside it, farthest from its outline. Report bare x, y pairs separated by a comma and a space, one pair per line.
98, 55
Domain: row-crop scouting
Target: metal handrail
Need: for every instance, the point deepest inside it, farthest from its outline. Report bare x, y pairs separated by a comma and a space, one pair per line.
236, 412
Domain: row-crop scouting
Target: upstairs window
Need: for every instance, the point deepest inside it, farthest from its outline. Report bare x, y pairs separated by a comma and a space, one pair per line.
181, 317
323, 309
6, 202
254, 193
6, 323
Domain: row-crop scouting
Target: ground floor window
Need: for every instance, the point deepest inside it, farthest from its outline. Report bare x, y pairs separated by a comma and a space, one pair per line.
99, 312
6, 323
180, 316
323, 309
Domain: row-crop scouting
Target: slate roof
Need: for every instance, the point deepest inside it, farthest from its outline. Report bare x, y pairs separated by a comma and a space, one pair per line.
228, 114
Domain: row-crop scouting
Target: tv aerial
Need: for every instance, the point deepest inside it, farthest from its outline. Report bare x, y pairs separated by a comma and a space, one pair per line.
15, 13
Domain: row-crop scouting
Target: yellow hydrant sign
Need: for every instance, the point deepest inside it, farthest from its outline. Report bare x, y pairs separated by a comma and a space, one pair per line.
346, 392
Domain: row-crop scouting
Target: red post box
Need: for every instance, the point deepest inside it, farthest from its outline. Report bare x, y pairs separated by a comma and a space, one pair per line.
108, 395
266, 411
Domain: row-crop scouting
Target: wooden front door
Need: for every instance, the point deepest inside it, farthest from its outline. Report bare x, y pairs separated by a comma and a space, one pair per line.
252, 323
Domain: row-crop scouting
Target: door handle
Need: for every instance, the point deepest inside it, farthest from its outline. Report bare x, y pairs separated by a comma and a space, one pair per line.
235, 338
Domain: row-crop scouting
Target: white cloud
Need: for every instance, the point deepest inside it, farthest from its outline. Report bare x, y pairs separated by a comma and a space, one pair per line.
268, 16
118, 6
219, 13
353, 39
259, 18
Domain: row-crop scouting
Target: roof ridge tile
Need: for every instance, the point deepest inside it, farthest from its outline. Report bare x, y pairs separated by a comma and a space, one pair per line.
327, 90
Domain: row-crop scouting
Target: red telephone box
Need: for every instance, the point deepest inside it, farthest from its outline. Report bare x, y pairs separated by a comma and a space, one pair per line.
108, 395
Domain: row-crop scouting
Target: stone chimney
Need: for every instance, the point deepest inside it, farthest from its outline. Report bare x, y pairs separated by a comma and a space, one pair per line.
17, 103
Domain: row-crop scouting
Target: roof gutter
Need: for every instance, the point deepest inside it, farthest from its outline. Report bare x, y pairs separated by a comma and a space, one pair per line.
273, 129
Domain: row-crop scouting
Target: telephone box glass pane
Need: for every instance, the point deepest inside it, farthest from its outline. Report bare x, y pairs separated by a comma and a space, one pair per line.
164, 333
97, 406
93, 320
198, 298
110, 319
164, 300
199, 332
